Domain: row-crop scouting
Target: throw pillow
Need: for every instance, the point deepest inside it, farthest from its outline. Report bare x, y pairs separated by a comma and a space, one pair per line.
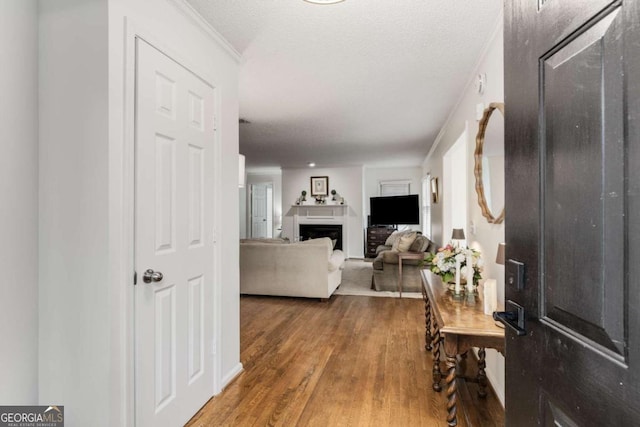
420, 244
404, 242
392, 238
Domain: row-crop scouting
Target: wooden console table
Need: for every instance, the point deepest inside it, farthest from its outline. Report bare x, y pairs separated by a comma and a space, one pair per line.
460, 324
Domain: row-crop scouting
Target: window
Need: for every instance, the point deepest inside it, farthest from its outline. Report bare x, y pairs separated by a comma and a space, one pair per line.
395, 188
426, 205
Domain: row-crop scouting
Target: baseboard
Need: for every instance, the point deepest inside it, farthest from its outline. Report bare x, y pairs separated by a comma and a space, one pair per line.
499, 391
231, 375
493, 381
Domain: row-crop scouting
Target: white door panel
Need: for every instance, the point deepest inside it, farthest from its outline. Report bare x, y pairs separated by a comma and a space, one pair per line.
174, 228
258, 210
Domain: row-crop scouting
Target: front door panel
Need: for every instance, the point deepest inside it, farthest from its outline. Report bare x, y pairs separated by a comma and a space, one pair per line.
572, 90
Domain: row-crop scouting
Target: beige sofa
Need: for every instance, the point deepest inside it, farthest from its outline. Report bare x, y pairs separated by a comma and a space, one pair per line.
310, 269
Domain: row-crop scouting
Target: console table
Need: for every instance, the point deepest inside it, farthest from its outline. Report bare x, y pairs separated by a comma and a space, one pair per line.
458, 323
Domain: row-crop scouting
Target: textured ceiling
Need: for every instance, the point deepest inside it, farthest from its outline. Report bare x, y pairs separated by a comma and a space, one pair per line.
362, 82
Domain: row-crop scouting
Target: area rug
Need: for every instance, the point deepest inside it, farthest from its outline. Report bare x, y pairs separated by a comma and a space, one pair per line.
356, 280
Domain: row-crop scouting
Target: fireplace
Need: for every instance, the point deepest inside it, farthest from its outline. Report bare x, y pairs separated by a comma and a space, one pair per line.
315, 231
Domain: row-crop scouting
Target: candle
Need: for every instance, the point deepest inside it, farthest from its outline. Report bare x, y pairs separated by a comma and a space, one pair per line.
490, 295
469, 274
457, 290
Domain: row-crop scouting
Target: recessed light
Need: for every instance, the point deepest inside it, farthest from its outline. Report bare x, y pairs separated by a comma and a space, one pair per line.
324, 1
311, 165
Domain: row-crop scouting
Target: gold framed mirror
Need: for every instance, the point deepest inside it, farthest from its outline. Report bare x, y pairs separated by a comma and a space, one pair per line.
489, 163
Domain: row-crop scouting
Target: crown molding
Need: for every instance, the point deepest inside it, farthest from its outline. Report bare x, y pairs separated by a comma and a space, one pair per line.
470, 83
194, 16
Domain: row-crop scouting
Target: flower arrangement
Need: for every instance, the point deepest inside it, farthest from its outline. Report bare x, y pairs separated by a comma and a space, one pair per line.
443, 263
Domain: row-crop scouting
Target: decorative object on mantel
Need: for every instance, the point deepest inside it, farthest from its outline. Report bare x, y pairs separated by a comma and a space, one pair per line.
452, 262
333, 194
304, 196
320, 200
435, 197
319, 185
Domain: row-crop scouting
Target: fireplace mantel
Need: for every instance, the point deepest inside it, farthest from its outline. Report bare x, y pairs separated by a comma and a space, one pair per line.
322, 214
320, 211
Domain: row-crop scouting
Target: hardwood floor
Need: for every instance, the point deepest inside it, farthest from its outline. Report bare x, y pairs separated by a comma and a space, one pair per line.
351, 361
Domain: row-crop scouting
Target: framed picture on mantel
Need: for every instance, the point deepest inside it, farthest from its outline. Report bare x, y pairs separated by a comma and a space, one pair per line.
319, 185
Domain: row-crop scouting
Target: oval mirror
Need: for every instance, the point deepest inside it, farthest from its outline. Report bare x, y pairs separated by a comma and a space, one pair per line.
489, 163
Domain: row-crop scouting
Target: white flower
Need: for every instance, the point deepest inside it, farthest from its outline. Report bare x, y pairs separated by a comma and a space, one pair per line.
460, 257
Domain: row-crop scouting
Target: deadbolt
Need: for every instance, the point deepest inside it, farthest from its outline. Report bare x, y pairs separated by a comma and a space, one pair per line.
152, 276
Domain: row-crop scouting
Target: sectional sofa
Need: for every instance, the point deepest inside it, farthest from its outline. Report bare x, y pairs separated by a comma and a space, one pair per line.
310, 269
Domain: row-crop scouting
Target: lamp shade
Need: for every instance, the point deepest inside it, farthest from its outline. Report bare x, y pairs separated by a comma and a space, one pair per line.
458, 234
241, 174
500, 256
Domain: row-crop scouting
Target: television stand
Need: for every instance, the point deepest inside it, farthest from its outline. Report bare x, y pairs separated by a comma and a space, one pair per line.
376, 236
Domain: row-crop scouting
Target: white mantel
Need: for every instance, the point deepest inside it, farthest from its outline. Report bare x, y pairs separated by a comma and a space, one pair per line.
333, 214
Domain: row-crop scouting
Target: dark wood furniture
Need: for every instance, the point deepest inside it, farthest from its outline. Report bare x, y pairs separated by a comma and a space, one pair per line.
376, 236
458, 324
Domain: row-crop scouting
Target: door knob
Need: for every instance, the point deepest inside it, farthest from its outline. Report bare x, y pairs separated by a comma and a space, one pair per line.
513, 318
152, 276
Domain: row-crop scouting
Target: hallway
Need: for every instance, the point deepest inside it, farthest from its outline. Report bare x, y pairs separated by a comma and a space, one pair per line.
353, 361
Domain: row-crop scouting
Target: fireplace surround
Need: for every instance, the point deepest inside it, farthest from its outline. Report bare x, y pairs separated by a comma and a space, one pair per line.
315, 231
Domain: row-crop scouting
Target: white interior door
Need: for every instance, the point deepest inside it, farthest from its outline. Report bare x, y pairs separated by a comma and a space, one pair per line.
259, 210
175, 140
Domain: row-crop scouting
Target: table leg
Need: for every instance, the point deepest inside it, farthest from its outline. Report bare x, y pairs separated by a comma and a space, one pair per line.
400, 276
427, 322
482, 376
437, 375
452, 391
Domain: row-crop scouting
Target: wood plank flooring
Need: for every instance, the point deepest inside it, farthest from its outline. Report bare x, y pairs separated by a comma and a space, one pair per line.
351, 361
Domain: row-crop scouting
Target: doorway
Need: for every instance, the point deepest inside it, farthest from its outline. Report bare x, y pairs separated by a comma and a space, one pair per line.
175, 182
262, 210
454, 186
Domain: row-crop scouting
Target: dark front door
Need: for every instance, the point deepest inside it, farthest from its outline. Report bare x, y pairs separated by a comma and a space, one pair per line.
572, 97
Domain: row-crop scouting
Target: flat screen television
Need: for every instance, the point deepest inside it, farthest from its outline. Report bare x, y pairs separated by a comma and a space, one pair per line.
393, 210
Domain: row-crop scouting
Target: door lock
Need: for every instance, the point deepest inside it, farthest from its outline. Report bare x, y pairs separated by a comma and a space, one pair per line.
152, 276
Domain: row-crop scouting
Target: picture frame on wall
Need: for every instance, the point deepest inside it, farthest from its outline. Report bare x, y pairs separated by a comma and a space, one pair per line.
319, 185
434, 190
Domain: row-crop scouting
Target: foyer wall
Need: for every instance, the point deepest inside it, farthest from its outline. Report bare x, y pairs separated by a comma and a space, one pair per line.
486, 236
85, 348
19, 195
347, 181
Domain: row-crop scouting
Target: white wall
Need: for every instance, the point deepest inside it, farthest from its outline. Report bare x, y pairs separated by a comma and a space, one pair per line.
487, 235
261, 178
347, 181
19, 195
373, 176
73, 243
86, 354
